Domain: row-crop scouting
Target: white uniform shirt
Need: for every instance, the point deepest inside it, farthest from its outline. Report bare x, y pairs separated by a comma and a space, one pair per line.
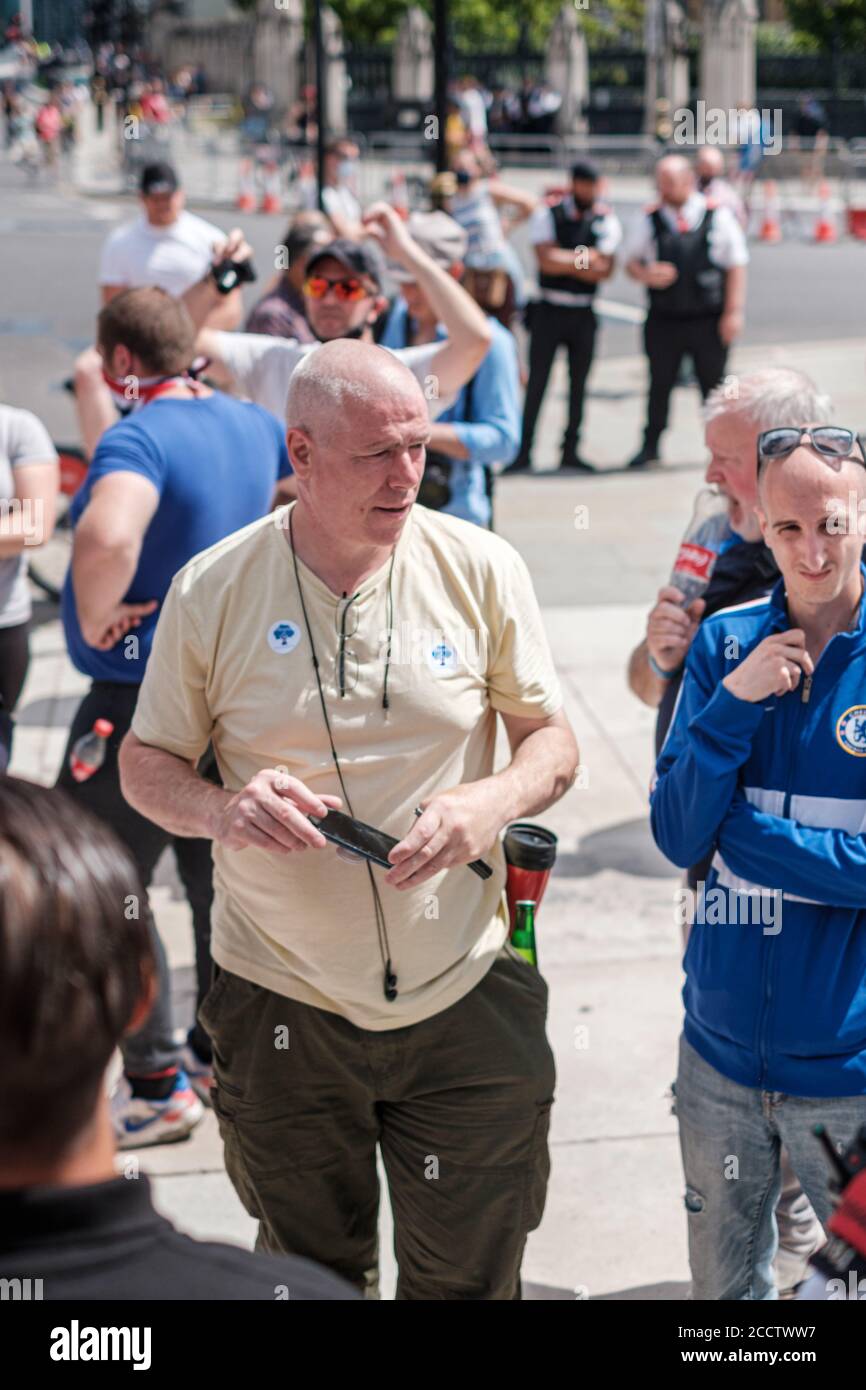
542, 228
726, 244
172, 258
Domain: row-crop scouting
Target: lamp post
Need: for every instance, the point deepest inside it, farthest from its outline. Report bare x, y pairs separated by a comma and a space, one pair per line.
440, 90
319, 46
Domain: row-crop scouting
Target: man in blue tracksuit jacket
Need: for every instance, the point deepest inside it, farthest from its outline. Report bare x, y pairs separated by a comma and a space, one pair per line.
765, 763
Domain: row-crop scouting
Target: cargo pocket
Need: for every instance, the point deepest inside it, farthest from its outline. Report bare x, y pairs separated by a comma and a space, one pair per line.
211, 1000
538, 1171
233, 1154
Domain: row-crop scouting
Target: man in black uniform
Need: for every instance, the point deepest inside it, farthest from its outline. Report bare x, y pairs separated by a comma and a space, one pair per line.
575, 240
692, 257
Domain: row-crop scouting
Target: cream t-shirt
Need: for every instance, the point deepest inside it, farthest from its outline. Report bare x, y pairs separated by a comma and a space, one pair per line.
231, 662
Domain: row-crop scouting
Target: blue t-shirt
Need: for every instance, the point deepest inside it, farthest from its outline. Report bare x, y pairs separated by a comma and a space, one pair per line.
214, 462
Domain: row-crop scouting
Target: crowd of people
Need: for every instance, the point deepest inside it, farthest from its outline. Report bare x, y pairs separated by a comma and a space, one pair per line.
267, 511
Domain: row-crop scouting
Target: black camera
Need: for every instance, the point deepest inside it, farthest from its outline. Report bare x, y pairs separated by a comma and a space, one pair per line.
227, 275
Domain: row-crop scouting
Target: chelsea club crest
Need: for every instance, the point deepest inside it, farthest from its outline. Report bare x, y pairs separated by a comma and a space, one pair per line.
851, 731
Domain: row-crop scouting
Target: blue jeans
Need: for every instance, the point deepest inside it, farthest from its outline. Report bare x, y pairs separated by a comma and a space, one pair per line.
730, 1138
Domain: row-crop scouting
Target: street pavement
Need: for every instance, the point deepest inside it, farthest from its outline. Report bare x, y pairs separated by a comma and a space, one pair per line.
598, 549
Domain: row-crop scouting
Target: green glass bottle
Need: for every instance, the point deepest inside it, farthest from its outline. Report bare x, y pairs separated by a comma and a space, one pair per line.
523, 936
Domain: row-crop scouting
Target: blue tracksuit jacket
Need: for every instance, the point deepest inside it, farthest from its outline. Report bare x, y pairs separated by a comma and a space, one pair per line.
778, 790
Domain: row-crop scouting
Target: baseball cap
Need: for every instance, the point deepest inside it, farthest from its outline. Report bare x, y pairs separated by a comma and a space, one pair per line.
158, 178
585, 169
362, 257
443, 239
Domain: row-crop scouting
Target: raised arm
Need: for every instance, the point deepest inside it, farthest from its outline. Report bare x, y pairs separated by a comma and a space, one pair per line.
469, 333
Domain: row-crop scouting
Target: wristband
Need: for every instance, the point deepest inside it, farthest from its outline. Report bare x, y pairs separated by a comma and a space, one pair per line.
662, 675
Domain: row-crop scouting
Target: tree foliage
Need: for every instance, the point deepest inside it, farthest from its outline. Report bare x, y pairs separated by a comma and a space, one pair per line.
484, 23
822, 20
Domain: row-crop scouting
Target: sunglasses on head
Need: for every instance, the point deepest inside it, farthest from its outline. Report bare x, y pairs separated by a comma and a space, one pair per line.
830, 440
348, 291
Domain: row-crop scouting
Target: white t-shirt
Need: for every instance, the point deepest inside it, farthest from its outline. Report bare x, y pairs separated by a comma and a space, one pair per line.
727, 244
341, 202
172, 258
262, 366
23, 440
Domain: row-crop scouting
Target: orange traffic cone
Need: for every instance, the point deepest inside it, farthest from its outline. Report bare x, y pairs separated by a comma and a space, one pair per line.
825, 227
399, 196
771, 227
272, 197
246, 199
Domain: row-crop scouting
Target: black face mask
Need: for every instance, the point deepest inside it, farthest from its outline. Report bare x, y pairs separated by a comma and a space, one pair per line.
704, 182
583, 204
353, 333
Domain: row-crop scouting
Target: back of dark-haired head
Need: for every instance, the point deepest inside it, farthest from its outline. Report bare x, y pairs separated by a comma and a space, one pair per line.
152, 325
75, 962
303, 233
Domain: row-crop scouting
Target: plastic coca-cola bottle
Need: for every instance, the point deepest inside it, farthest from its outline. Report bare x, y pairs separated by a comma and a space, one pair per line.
88, 752
699, 547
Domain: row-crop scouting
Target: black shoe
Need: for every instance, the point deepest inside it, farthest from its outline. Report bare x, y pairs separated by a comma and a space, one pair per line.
518, 466
643, 458
576, 465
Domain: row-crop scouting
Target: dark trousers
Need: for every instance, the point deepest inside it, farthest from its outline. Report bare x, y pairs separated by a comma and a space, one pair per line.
152, 1048
14, 661
459, 1105
553, 326
667, 342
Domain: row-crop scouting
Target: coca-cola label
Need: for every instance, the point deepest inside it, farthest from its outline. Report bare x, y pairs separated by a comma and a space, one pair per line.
695, 560
80, 770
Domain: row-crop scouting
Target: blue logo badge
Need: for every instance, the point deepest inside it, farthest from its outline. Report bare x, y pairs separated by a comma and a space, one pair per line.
851, 731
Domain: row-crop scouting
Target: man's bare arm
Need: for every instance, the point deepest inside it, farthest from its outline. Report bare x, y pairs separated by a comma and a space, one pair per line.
469, 334
544, 761
168, 790
271, 812
642, 679
461, 824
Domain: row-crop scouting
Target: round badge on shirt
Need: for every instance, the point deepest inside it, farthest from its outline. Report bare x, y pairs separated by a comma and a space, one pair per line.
442, 658
283, 636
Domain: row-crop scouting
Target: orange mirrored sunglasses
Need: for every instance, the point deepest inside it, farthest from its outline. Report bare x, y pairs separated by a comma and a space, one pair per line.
348, 291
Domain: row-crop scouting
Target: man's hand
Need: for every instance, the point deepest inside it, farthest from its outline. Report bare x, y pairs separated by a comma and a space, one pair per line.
383, 223
660, 275
122, 618
457, 826
234, 248
271, 813
671, 628
773, 668
730, 326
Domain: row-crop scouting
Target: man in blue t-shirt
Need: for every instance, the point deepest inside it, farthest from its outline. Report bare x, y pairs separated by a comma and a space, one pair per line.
184, 470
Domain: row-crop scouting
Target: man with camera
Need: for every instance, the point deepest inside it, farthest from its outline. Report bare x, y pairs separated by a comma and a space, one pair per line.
167, 246
357, 651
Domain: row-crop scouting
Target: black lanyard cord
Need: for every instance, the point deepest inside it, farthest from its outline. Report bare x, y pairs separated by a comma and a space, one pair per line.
390, 979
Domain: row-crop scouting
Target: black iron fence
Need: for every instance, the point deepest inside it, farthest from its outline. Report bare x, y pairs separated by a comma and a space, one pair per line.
616, 79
